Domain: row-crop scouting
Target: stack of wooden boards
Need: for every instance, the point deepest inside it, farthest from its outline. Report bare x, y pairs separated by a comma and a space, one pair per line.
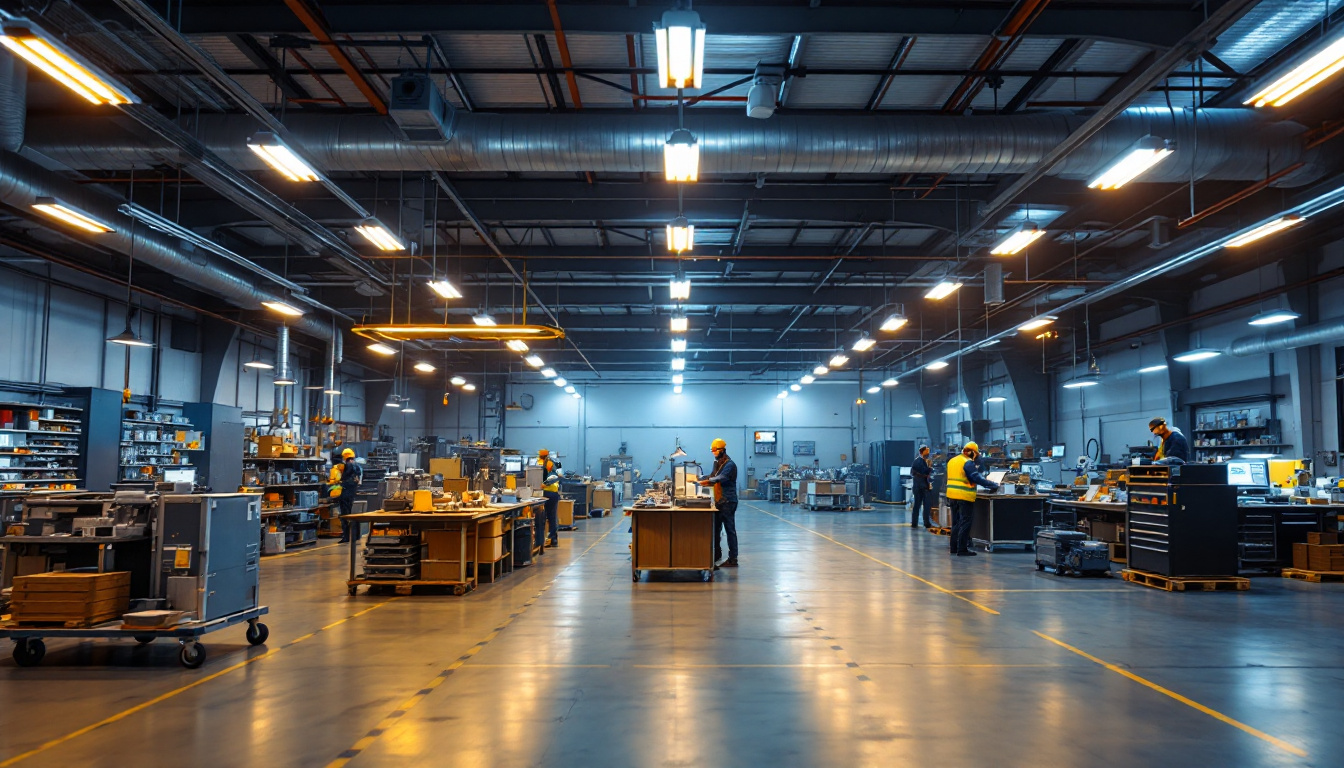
70, 599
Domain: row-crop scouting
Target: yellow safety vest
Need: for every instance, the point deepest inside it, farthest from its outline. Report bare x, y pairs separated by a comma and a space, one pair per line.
959, 486
547, 467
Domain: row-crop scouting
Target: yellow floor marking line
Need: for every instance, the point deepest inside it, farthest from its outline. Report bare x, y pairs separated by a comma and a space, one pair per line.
541, 666
273, 558
375, 733
832, 665
1280, 743
125, 713
920, 579
1074, 591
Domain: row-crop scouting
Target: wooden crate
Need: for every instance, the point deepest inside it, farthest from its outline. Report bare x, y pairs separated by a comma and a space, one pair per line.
70, 599
1186, 583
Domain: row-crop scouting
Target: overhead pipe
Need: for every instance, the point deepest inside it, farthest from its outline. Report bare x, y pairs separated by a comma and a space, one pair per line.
1214, 144
282, 370
1282, 341
13, 102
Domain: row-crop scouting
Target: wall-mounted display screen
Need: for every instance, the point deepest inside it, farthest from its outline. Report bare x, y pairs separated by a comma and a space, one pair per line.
766, 437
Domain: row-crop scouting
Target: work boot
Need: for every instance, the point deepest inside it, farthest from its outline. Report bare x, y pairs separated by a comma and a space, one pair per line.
967, 553
729, 563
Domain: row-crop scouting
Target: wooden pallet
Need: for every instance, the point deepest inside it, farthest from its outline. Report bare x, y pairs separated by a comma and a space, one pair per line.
1315, 577
1187, 583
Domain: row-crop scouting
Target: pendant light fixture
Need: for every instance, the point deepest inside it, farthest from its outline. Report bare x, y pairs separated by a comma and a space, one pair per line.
128, 337
680, 40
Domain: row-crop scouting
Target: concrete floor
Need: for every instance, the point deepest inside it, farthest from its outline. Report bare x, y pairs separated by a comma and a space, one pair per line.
845, 639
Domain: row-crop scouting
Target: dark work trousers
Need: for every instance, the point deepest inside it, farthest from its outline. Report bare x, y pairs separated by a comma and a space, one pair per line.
923, 501
551, 521
963, 513
345, 504
725, 519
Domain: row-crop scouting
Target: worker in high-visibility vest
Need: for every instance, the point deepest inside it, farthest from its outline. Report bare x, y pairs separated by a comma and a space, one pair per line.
962, 477
550, 490
724, 479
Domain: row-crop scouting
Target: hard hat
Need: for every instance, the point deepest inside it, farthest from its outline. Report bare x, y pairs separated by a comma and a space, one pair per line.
718, 443
347, 453
970, 446
543, 452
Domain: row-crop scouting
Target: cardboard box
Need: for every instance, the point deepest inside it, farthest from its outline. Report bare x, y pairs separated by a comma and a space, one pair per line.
1301, 560
534, 477
1325, 557
565, 511
447, 545
440, 570
449, 468
489, 550
455, 485
270, 446
490, 528
1104, 531
603, 498
1323, 537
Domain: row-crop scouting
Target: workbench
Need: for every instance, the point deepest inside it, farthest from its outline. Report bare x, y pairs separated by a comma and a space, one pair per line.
670, 538
1266, 532
1007, 518
466, 522
1110, 511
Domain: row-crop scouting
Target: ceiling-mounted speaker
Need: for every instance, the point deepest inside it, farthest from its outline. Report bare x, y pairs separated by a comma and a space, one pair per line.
993, 284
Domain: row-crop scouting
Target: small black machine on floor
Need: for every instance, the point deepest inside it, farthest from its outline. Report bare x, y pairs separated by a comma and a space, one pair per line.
1066, 551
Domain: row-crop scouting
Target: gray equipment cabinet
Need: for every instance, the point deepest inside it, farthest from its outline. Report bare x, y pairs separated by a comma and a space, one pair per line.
208, 553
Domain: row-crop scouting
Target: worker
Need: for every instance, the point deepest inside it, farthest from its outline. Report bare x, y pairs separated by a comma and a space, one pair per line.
724, 480
1175, 449
352, 475
921, 484
962, 477
550, 489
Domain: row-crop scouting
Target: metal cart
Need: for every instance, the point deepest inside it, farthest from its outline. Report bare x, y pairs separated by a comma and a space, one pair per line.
666, 538
29, 647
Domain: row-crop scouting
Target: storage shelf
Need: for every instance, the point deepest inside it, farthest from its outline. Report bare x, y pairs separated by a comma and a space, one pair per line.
158, 423
47, 480
38, 406
150, 442
166, 466
286, 511
38, 453
60, 421
284, 485
1230, 429
43, 432
283, 458
1241, 445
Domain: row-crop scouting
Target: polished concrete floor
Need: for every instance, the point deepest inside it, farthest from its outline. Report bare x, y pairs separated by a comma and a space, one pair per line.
844, 639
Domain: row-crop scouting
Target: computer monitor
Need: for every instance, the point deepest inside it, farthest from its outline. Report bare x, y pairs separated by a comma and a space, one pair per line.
996, 477
1248, 473
513, 464
179, 475
1057, 452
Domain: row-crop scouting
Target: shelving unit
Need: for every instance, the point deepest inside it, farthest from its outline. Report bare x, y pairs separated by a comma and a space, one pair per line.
291, 489
137, 434
39, 446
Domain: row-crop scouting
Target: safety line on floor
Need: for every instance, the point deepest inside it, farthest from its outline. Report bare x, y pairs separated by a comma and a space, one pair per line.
1259, 734
920, 579
273, 558
392, 718
831, 642
125, 713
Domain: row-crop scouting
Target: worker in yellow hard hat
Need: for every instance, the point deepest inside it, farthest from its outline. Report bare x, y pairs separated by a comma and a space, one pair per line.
724, 479
550, 489
352, 475
962, 477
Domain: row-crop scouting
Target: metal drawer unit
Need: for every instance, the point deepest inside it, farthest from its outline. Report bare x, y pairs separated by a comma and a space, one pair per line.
1182, 520
1255, 538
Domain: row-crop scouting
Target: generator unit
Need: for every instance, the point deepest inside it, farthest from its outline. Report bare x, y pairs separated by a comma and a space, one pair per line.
1069, 552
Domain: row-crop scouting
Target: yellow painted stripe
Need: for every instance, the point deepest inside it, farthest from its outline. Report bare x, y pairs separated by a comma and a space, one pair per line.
1071, 591
1259, 734
125, 713
920, 579
273, 558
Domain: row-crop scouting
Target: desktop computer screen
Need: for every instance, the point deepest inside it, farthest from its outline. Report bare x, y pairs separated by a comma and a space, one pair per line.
513, 464
1253, 473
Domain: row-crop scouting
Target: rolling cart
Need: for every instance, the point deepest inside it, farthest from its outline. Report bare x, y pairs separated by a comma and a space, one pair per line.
29, 648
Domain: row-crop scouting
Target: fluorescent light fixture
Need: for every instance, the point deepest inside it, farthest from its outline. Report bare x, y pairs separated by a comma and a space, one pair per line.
893, 323
680, 235
680, 40
424, 367
283, 381
381, 348
678, 363
678, 345
261, 365
331, 391
680, 324
128, 338
996, 399
1301, 78
680, 289
677, 378
548, 373
1018, 240
275, 153
575, 395
1264, 230
783, 393
874, 390
379, 235
916, 415
1274, 317
964, 405
534, 361
283, 308
890, 383
796, 387
988, 343
69, 215
469, 387
820, 370
445, 289
65, 66
569, 389
483, 320
517, 345
1086, 380
393, 402
936, 365
808, 379
405, 411
1144, 154
864, 344
838, 360
942, 290
681, 156
1258, 455
560, 381
1195, 355
457, 381
1037, 323
1153, 368
676, 390
950, 409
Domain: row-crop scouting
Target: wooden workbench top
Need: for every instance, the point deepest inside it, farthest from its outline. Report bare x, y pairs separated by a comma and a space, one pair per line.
476, 513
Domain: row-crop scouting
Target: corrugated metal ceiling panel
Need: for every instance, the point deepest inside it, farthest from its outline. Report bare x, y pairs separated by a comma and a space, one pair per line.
465, 49
945, 51
985, 99
1075, 89
770, 236
1032, 52
504, 90
223, 51
919, 92
1266, 29
853, 51
1105, 56
832, 91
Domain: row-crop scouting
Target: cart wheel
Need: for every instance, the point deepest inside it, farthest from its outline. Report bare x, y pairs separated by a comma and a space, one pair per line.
352, 591
192, 655
144, 639
459, 591
989, 547
1059, 570
634, 576
1040, 566
28, 652
257, 633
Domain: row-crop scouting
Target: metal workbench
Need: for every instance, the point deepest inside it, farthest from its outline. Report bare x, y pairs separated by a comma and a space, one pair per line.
1007, 519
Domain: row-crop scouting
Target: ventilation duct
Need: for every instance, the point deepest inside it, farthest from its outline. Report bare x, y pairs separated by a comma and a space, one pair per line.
283, 375
13, 102
1281, 341
993, 284
1220, 144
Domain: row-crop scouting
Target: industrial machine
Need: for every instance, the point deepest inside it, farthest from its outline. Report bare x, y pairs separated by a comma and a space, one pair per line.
209, 553
1065, 551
